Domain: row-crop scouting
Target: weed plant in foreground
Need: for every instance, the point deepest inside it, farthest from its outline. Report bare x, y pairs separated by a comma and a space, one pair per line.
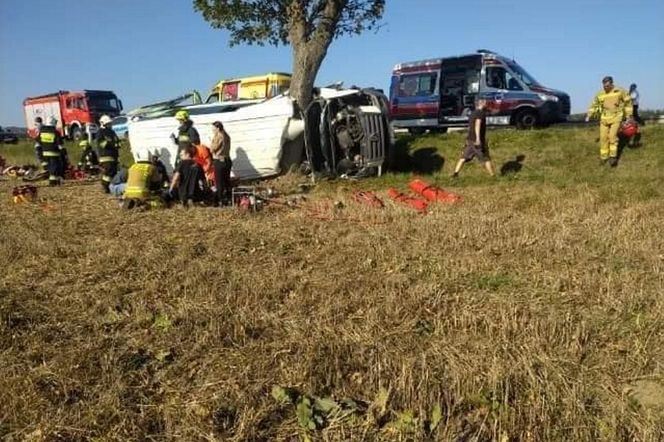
532, 311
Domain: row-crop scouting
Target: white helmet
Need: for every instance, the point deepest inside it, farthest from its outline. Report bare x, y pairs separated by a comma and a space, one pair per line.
104, 120
52, 121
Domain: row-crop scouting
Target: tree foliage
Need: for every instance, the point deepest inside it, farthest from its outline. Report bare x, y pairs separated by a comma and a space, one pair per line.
276, 21
309, 26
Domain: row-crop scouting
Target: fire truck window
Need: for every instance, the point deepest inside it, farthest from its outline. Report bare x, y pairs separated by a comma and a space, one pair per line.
419, 85
68, 103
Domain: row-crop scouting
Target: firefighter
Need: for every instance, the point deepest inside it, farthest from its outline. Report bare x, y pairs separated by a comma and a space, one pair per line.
187, 133
50, 146
38, 150
613, 105
144, 182
108, 145
89, 161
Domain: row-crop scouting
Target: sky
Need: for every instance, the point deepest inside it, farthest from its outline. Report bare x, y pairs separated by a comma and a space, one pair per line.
150, 50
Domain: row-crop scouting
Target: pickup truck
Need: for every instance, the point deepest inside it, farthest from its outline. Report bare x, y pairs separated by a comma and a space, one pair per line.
7, 136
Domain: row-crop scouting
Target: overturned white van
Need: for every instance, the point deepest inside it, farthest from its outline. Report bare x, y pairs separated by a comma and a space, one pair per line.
346, 131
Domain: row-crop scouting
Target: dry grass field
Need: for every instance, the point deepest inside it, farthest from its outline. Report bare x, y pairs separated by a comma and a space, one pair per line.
532, 311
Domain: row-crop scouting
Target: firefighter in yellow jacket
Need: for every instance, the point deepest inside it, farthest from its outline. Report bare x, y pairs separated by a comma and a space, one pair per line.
144, 181
613, 105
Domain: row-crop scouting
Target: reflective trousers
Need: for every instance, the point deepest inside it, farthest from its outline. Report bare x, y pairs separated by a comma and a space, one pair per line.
608, 139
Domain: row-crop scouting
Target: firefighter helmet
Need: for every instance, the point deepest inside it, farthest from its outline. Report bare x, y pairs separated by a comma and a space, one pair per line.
182, 115
104, 120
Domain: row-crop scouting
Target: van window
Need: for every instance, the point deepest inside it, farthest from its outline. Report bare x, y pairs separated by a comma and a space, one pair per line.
499, 78
418, 85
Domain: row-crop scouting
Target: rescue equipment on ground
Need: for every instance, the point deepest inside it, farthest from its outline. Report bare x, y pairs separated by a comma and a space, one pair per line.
417, 203
368, 198
24, 194
245, 199
433, 193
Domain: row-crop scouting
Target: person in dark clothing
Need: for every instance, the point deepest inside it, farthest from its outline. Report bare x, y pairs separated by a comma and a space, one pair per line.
38, 149
188, 184
635, 103
187, 133
476, 144
221, 154
108, 146
161, 170
49, 144
88, 161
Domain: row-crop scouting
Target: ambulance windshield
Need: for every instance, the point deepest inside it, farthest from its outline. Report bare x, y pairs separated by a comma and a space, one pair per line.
522, 74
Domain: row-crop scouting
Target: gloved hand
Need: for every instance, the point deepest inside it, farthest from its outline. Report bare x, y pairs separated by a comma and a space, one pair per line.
174, 138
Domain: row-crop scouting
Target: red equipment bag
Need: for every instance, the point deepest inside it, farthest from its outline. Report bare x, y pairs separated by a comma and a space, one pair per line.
433, 193
629, 128
416, 203
368, 198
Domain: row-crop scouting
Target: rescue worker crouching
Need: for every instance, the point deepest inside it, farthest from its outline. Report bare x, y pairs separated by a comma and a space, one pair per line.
108, 145
144, 182
613, 105
50, 145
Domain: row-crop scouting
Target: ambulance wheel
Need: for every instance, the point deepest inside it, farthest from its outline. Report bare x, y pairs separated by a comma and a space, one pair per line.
526, 119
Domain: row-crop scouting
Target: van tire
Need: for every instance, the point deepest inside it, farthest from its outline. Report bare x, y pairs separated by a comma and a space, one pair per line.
526, 119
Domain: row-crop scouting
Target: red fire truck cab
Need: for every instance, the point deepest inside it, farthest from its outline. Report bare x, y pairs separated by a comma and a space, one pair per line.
77, 112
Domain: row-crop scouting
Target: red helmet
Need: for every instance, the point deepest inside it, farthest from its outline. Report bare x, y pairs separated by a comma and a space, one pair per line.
629, 129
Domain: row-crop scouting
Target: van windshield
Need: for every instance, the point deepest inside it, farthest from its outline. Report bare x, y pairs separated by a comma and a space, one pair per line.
522, 74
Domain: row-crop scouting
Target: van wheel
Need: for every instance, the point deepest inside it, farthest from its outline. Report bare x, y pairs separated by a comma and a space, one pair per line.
526, 119
76, 133
416, 130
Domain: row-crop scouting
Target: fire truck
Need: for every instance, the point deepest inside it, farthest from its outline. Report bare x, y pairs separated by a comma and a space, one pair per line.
77, 112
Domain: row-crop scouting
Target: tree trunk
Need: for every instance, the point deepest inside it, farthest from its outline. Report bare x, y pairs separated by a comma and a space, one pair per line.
306, 63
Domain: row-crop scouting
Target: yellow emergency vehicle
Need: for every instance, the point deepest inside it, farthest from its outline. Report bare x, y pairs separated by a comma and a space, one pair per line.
250, 88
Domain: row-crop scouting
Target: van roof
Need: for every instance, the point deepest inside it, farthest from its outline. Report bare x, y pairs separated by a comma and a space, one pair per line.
433, 62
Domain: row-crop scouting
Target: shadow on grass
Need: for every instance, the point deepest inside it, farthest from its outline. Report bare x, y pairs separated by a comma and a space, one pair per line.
424, 160
513, 166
